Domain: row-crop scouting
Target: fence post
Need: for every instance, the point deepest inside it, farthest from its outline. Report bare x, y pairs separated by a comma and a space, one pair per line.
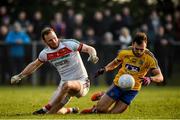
34, 56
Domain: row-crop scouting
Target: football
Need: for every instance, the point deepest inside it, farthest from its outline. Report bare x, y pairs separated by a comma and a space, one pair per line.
126, 82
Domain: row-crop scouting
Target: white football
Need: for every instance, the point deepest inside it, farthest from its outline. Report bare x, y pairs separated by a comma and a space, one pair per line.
126, 82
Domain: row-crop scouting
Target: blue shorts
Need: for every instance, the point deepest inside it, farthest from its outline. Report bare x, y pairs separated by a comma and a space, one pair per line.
125, 96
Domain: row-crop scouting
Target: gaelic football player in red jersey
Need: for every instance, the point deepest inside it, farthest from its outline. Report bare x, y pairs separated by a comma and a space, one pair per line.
64, 55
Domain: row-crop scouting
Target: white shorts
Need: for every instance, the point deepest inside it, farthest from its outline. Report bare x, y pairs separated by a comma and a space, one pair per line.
85, 85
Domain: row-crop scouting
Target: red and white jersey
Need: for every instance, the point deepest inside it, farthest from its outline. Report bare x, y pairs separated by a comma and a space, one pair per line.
66, 58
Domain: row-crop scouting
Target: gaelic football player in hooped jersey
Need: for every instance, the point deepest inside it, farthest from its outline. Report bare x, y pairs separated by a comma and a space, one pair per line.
137, 61
65, 57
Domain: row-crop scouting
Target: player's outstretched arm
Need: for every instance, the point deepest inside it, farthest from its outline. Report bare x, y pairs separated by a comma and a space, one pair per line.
157, 75
29, 69
112, 65
92, 53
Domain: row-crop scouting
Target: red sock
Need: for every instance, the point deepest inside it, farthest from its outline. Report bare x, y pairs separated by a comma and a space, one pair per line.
47, 107
68, 110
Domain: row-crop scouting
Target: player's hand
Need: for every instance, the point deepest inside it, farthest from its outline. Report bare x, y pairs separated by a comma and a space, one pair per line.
146, 80
93, 58
16, 79
99, 72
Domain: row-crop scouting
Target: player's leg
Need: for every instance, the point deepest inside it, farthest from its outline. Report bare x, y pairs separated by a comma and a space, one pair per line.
63, 110
59, 105
69, 88
68, 110
110, 97
125, 100
61, 96
76, 88
83, 91
103, 104
119, 107
47, 107
85, 85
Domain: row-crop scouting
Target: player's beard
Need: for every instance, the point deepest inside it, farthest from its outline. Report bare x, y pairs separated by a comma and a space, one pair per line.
137, 54
54, 46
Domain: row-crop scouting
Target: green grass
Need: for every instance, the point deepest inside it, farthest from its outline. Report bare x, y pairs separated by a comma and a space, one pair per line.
152, 102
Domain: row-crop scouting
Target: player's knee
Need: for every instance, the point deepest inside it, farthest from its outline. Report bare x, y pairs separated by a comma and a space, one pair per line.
66, 86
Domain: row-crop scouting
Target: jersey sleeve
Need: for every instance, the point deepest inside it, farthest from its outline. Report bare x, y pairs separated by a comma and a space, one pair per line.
120, 56
42, 56
74, 44
153, 63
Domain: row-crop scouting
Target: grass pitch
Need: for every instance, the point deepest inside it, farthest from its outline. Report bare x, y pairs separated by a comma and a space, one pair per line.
151, 103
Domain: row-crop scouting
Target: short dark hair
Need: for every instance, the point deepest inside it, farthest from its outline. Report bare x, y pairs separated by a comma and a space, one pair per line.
139, 38
46, 31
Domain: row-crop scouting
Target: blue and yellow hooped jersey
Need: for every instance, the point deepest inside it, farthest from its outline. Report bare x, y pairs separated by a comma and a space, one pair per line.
136, 66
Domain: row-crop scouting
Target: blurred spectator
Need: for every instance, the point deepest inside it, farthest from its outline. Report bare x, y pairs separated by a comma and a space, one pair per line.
90, 37
58, 25
161, 48
16, 39
116, 26
170, 35
98, 25
144, 28
127, 18
125, 38
107, 47
30, 31
69, 19
78, 35
177, 24
5, 19
77, 27
165, 6
108, 19
168, 19
153, 24
3, 55
177, 32
23, 20
168, 24
38, 23
108, 38
3, 32
78, 22
3, 13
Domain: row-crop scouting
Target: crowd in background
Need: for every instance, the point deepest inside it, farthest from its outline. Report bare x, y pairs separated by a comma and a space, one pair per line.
104, 30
